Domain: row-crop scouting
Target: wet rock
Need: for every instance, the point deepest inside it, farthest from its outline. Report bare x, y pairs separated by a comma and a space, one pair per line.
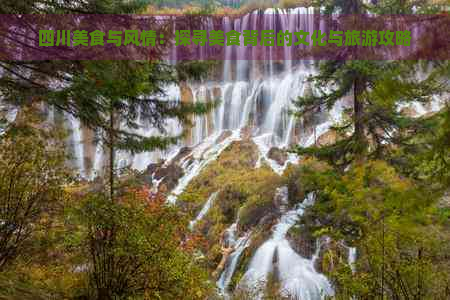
269, 220
444, 202
170, 174
327, 138
223, 136
186, 93
278, 155
151, 168
182, 153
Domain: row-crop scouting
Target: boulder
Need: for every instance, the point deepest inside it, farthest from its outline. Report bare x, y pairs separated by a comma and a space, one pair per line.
170, 174
278, 155
182, 153
302, 241
327, 138
146, 176
223, 136
444, 202
409, 111
186, 93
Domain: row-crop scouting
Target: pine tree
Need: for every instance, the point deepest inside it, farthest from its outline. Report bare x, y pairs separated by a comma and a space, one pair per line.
110, 97
377, 88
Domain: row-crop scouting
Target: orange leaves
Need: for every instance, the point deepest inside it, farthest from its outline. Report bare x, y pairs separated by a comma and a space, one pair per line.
142, 194
192, 242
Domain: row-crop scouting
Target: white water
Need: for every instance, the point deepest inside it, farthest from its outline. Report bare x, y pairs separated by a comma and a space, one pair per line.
8, 114
296, 274
352, 258
239, 245
204, 209
201, 156
254, 94
77, 142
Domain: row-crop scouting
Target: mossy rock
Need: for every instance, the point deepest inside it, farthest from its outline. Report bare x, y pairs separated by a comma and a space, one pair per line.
302, 240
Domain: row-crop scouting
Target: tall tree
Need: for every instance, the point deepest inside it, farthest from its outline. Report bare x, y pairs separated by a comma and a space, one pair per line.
32, 173
376, 88
111, 97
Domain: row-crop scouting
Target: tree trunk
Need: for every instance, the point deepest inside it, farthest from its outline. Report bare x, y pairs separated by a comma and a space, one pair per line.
382, 257
358, 120
111, 154
103, 294
419, 274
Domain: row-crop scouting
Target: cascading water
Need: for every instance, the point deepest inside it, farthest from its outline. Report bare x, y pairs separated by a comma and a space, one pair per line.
254, 93
204, 209
256, 96
296, 274
200, 157
77, 142
238, 245
352, 258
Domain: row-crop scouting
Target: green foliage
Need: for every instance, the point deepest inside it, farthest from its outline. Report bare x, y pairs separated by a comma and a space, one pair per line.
373, 124
427, 157
32, 172
133, 249
104, 94
394, 225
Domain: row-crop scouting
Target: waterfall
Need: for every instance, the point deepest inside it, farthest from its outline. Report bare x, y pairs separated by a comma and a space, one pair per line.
77, 142
352, 258
201, 156
239, 245
255, 93
204, 209
296, 274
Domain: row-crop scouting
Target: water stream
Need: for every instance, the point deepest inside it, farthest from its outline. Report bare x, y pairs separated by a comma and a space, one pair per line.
204, 209
297, 275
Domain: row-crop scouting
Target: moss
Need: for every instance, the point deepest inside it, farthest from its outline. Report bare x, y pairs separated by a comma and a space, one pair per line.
304, 178
255, 209
239, 158
302, 240
242, 189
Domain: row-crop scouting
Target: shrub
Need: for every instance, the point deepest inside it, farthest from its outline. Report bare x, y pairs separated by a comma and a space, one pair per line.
32, 173
135, 249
